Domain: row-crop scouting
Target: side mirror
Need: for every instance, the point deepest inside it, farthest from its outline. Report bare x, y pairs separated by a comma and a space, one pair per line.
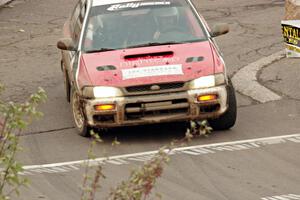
66, 44
219, 29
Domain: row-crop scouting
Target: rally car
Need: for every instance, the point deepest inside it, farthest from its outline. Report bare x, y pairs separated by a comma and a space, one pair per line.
134, 62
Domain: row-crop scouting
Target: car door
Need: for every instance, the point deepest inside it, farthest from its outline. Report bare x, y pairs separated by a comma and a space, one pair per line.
74, 24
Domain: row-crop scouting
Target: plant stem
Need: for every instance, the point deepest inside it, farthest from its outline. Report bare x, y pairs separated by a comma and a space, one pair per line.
95, 182
3, 126
8, 168
5, 141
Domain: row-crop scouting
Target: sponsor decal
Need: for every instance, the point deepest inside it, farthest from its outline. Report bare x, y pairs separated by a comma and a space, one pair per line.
151, 61
162, 70
291, 35
132, 5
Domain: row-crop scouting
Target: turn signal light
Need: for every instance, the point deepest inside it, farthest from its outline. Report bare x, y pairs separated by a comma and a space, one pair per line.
208, 97
105, 107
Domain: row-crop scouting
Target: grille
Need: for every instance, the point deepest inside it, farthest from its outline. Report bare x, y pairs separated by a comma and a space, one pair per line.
146, 88
138, 116
136, 111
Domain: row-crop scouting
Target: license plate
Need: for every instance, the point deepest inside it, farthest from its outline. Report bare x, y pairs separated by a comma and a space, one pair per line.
157, 104
162, 70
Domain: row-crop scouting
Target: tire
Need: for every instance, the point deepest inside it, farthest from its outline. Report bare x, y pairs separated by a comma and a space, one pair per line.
228, 119
78, 116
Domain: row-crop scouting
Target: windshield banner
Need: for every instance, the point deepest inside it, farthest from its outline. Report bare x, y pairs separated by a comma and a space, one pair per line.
137, 5
291, 35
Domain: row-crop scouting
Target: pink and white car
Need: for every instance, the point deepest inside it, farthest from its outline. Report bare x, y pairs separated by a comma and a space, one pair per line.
132, 62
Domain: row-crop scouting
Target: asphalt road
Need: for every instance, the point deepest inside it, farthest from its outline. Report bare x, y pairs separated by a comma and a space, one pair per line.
264, 169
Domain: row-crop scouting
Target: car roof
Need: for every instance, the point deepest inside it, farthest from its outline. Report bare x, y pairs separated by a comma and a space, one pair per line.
107, 2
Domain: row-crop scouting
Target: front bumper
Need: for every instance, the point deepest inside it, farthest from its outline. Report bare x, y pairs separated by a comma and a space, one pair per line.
156, 108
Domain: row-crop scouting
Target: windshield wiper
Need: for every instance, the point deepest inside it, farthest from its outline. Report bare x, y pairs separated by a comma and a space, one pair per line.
99, 50
154, 44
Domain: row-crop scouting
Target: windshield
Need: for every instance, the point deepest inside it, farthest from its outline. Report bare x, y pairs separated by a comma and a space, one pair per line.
144, 23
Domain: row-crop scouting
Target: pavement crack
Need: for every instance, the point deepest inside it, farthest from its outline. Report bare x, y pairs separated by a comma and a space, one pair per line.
257, 51
56, 20
47, 131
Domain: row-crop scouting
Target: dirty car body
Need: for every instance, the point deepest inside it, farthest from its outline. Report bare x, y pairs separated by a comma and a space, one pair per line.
140, 62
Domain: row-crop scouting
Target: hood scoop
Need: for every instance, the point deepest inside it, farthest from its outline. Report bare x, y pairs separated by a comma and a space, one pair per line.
106, 68
194, 59
149, 55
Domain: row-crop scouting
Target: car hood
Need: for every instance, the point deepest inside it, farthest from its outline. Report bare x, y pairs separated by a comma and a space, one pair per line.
147, 65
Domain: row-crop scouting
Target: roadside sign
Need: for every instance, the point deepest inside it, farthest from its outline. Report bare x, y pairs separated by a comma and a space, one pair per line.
291, 35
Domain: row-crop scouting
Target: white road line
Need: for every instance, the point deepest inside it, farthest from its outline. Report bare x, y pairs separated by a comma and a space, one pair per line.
245, 80
282, 197
4, 2
144, 156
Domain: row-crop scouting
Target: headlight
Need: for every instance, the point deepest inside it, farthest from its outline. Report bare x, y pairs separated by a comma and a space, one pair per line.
208, 81
101, 92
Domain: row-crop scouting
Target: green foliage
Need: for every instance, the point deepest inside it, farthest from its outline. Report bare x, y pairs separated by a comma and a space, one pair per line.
198, 128
91, 180
14, 118
143, 179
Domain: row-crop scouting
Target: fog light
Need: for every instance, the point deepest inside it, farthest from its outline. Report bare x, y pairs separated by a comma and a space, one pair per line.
208, 97
104, 107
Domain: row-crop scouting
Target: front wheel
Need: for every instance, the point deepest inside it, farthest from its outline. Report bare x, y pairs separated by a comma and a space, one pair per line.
227, 120
79, 119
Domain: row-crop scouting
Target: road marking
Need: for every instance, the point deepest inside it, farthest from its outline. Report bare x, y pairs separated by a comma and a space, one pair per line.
282, 197
245, 80
4, 2
145, 156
